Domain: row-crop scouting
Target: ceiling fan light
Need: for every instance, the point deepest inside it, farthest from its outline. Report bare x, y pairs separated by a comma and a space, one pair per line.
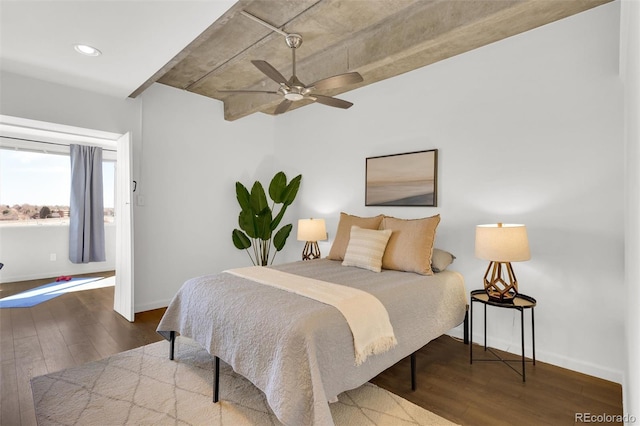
293, 96
87, 50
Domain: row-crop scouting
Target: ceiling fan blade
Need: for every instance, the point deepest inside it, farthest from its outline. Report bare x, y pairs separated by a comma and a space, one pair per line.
268, 70
283, 106
334, 102
337, 81
248, 91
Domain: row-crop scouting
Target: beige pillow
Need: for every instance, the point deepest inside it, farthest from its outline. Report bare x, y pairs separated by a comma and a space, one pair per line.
366, 248
339, 246
411, 244
440, 259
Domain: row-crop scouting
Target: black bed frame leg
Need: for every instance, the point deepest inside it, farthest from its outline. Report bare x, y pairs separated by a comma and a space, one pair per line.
466, 326
172, 344
413, 371
216, 378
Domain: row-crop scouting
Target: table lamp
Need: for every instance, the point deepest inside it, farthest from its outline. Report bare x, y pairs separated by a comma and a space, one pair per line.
501, 244
311, 231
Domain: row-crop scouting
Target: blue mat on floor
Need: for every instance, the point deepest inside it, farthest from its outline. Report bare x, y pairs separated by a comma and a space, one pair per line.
37, 295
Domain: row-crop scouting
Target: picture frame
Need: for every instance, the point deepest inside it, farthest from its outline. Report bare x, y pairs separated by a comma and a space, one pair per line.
408, 179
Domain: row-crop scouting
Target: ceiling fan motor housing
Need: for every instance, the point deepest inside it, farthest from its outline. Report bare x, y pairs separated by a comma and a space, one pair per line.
294, 90
293, 40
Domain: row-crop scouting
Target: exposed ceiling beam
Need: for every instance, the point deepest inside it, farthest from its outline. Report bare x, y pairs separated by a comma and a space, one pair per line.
378, 38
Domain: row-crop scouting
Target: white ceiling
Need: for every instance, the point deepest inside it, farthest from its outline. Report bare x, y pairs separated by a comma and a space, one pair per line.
147, 41
136, 37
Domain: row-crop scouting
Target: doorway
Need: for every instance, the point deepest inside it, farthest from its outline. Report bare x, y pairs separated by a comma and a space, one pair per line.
15, 131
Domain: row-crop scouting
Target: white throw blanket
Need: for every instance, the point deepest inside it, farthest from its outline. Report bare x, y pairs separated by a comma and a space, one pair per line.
366, 315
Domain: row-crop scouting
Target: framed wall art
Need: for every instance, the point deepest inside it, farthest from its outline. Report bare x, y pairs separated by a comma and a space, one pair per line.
409, 179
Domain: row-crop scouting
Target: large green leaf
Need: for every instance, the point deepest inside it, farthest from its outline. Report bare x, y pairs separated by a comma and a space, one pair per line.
242, 194
258, 198
240, 240
291, 190
263, 224
281, 237
277, 187
288, 195
275, 222
247, 222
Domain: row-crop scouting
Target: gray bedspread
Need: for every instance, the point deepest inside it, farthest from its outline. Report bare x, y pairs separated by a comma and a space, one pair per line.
298, 351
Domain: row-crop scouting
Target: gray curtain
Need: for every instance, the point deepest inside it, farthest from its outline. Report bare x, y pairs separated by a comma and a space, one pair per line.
86, 224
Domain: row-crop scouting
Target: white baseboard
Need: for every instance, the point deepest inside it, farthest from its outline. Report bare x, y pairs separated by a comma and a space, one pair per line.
151, 306
50, 275
552, 358
584, 367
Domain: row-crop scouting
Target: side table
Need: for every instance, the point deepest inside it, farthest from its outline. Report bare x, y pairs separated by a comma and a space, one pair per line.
519, 302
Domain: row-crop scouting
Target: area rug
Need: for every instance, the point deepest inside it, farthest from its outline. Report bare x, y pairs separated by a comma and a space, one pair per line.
142, 386
37, 295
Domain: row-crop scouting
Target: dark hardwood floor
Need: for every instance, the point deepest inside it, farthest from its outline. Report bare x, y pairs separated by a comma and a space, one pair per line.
79, 327
69, 330
490, 393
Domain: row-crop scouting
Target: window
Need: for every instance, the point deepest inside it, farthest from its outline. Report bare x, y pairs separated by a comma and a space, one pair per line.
35, 187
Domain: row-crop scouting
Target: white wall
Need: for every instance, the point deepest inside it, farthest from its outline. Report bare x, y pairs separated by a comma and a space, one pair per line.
26, 252
630, 70
529, 130
39, 100
189, 160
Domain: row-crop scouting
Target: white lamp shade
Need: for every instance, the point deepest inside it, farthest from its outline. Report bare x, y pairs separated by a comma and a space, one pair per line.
312, 230
502, 243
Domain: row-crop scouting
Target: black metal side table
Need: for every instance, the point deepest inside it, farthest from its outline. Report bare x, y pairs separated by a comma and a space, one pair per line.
519, 302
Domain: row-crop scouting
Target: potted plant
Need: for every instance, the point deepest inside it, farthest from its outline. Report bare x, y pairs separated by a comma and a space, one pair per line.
258, 221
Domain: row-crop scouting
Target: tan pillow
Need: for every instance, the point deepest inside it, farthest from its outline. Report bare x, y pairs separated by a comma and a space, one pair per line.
411, 244
339, 246
440, 259
366, 247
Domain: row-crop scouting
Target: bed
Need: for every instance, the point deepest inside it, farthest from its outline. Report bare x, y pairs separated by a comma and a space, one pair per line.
299, 351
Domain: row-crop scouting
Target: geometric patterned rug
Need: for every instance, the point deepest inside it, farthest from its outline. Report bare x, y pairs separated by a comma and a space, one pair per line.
142, 386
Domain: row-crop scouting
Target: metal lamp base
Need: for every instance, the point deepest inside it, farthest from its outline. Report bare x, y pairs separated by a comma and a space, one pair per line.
311, 251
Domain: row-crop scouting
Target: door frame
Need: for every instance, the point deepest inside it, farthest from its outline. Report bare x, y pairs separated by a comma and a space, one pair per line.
41, 131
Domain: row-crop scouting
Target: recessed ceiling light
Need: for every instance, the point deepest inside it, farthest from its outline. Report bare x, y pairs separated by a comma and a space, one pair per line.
87, 50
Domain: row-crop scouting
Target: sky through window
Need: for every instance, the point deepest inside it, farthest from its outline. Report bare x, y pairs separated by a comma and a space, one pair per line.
43, 179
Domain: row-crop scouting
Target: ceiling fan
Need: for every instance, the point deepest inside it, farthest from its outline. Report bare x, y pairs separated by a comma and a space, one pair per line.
293, 89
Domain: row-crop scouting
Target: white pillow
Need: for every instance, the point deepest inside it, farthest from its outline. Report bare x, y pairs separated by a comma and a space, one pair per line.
341, 240
366, 248
440, 259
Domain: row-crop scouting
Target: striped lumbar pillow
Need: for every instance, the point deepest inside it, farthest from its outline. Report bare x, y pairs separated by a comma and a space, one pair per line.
366, 248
